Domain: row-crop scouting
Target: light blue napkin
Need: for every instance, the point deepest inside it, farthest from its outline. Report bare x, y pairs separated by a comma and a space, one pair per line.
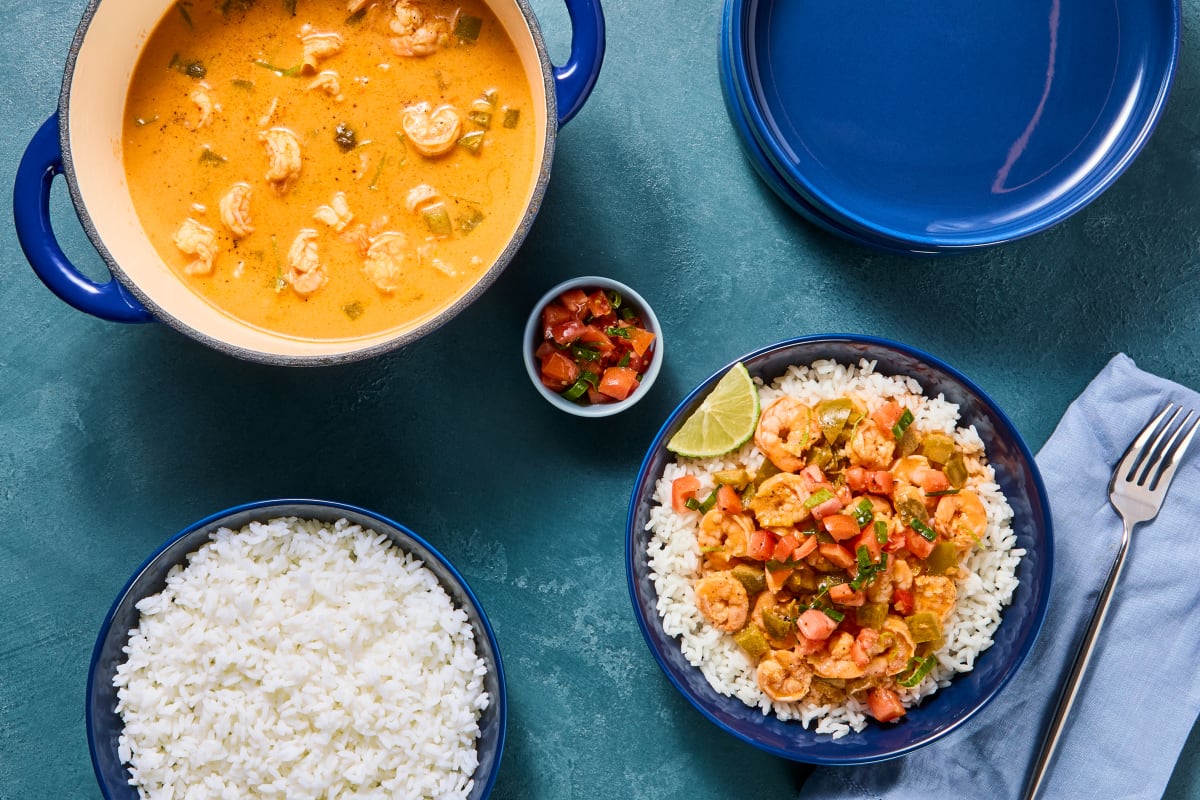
1141, 695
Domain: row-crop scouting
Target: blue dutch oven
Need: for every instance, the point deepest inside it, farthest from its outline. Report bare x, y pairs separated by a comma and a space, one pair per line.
82, 142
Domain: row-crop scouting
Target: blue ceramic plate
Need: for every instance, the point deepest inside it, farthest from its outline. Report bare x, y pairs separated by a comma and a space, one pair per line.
952, 125
104, 723
1017, 475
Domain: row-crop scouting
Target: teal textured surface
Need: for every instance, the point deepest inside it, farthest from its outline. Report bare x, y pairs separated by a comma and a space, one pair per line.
113, 437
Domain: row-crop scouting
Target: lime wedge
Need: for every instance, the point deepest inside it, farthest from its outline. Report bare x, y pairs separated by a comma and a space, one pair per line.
724, 421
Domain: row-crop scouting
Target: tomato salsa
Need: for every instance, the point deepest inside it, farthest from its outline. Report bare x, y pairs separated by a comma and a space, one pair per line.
593, 347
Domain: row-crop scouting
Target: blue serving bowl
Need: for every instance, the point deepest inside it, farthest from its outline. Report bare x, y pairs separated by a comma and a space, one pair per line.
104, 723
983, 128
1017, 475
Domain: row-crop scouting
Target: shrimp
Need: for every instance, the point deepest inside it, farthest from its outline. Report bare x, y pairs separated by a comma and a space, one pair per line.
870, 446
837, 661
786, 429
384, 260
897, 575
329, 82
201, 97
305, 272
784, 676
420, 196
317, 47
416, 36
892, 650
961, 518
722, 598
283, 151
725, 530
200, 242
235, 210
337, 214
779, 501
934, 594
911, 470
432, 132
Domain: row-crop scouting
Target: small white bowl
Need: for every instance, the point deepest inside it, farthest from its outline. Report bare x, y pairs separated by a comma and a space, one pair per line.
531, 340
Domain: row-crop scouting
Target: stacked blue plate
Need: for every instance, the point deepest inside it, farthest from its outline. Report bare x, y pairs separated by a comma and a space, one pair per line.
944, 126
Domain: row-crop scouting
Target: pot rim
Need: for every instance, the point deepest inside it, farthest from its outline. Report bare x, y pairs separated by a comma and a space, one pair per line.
499, 264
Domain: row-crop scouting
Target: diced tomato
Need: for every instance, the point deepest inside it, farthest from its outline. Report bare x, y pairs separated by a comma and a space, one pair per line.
544, 349
597, 340
552, 315
574, 300
887, 415
868, 540
858, 654
595, 398
806, 646
762, 545
809, 545
840, 526
856, 478
567, 332
868, 638
880, 481
935, 481
785, 547
618, 382
917, 544
814, 479
728, 499
640, 340
638, 364
902, 600
598, 304
816, 625
836, 554
560, 369
830, 506
683, 488
885, 704
844, 595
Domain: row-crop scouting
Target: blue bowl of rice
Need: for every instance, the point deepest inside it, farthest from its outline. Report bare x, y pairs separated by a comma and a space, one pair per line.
713, 675
299, 647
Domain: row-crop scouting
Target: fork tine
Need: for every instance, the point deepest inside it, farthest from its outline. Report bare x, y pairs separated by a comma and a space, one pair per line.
1154, 453
1137, 451
1176, 448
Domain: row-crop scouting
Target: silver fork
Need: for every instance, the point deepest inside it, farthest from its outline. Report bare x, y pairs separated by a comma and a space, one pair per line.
1138, 486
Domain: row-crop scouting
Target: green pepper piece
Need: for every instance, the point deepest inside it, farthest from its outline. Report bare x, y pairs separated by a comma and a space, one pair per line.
833, 416
956, 471
937, 447
766, 470
822, 456
942, 559
910, 504
752, 639
777, 623
752, 579
924, 627
871, 615
737, 478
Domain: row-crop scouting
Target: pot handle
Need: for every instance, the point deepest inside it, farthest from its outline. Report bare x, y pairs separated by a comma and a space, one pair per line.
575, 79
43, 161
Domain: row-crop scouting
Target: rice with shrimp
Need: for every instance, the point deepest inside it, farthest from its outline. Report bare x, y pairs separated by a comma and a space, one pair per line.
986, 577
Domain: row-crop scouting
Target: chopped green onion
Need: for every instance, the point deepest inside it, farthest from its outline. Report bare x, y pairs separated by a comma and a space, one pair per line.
591, 378
862, 512
614, 298
471, 221
182, 5
576, 390
918, 669
621, 331
833, 614
242, 83
280, 284
290, 72
920, 527
467, 28
442, 84
626, 313
472, 141
902, 424
353, 310
881, 531
581, 353
624, 362
374, 184
712, 548
512, 116
345, 137
863, 555
290, 7
702, 507
437, 219
818, 497
356, 17
193, 69
943, 493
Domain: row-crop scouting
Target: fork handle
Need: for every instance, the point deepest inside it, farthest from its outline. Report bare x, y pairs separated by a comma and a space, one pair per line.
1083, 656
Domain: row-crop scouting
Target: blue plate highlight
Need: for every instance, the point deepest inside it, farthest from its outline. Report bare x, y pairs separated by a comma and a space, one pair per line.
951, 126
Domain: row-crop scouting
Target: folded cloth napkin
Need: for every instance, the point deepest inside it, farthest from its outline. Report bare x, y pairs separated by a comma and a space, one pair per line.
1141, 694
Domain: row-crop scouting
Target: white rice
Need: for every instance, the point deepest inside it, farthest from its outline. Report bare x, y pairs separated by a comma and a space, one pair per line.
984, 591
296, 659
